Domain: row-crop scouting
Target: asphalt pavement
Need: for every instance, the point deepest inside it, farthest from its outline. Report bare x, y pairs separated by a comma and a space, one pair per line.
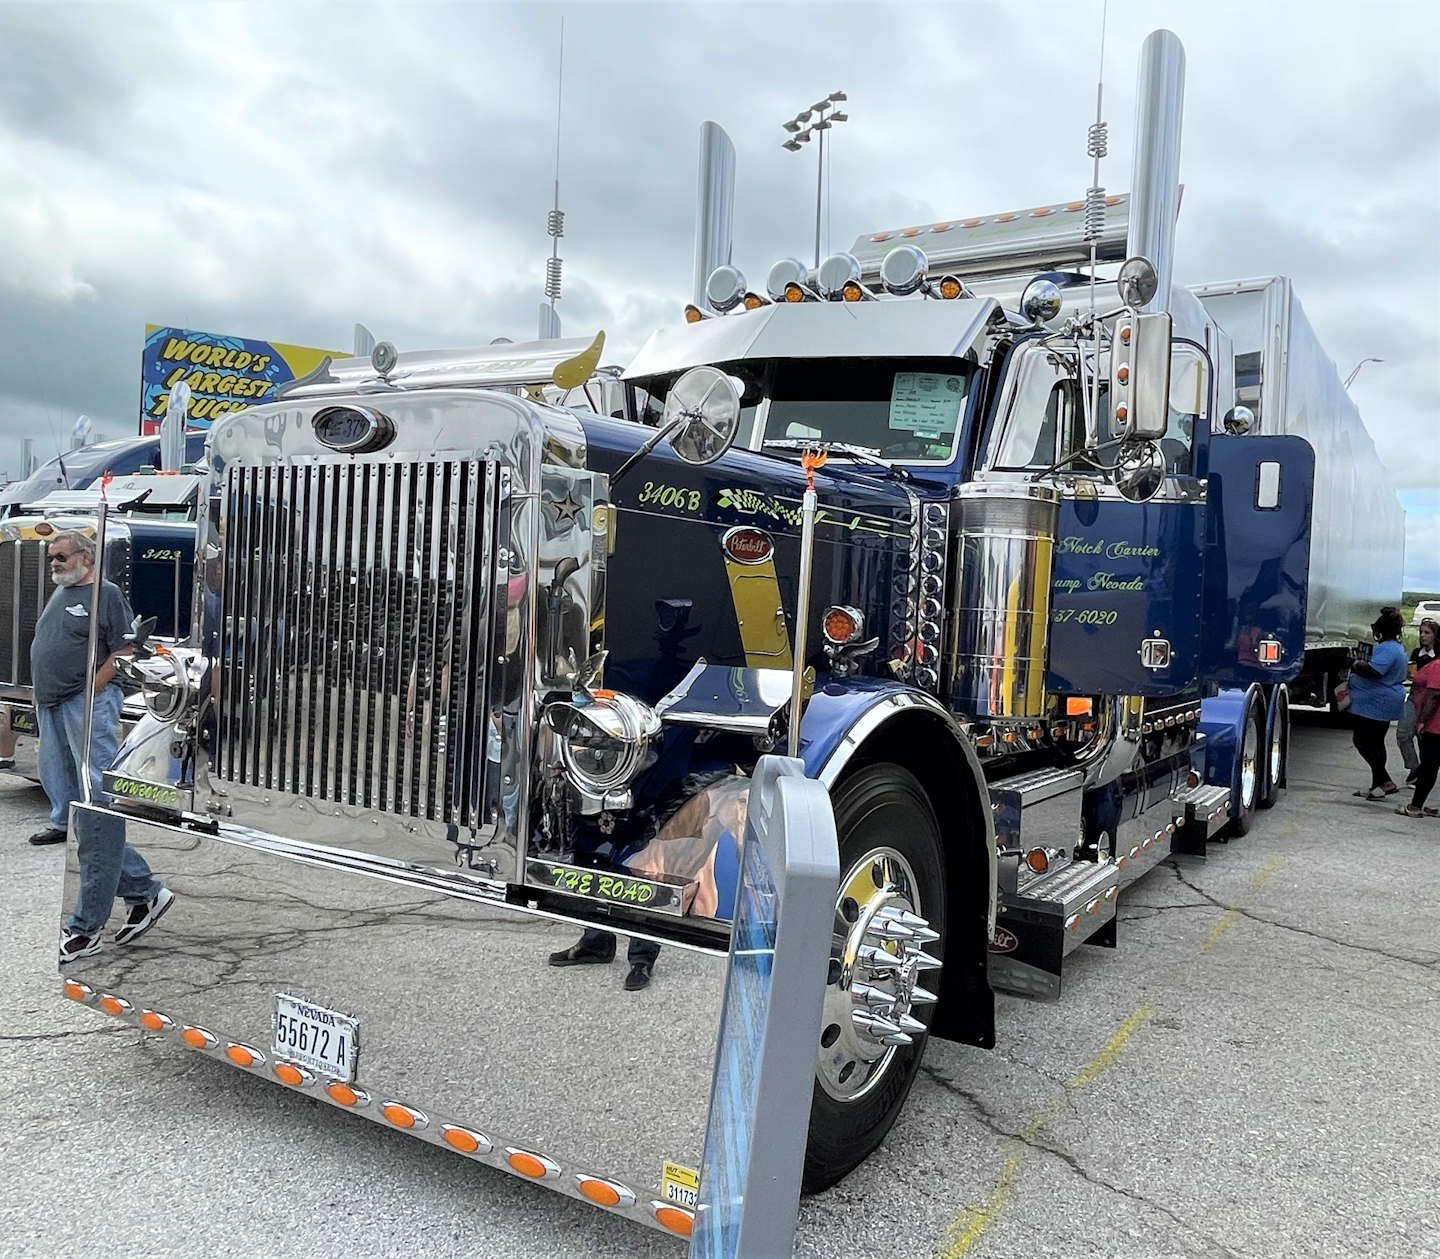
1254, 1072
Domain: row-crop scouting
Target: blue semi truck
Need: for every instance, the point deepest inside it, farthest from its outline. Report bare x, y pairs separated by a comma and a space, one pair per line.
993, 539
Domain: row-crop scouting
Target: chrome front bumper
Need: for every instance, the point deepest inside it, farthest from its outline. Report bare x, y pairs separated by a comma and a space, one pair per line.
562, 1075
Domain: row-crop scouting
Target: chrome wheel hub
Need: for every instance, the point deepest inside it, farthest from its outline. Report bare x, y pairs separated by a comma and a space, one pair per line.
873, 987
1249, 765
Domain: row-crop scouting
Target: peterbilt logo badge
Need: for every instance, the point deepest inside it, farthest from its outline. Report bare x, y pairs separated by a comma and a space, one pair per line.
747, 545
1004, 941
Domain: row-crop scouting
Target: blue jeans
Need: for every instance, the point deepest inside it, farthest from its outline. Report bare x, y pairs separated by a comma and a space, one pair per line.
61, 754
109, 867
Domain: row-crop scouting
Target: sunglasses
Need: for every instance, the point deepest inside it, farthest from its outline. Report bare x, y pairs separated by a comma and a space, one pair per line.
61, 559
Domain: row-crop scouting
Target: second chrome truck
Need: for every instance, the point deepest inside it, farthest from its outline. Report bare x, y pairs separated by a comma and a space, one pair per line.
474, 674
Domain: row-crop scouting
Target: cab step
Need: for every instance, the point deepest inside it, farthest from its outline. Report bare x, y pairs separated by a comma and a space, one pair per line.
1200, 814
1048, 918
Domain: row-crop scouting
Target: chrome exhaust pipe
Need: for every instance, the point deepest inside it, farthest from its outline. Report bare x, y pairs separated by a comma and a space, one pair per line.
1155, 175
714, 208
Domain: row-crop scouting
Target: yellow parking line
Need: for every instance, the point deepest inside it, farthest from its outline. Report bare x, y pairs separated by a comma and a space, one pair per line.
973, 1222
1227, 920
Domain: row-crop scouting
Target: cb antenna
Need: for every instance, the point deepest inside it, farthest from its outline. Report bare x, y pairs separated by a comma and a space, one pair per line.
555, 221
1097, 146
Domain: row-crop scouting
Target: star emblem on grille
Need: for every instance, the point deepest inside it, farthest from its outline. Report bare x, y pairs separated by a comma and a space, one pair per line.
565, 508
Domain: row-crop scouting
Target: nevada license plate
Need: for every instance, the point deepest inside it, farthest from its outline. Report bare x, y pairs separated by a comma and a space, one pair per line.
314, 1037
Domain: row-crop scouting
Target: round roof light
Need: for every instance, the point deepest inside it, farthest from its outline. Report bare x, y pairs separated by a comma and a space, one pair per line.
835, 273
725, 289
786, 271
903, 269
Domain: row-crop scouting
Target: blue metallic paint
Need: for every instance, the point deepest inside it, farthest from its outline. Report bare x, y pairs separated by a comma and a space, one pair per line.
1141, 562
1257, 562
1222, 721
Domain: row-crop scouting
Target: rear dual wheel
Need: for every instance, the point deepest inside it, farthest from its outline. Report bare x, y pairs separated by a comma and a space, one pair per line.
1278, 751
889, 939
1250, 773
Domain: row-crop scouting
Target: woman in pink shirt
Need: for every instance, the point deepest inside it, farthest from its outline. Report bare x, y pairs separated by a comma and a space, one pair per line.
1425, 695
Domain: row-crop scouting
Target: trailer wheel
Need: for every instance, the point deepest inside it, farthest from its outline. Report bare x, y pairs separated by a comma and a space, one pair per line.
1250, 773
877, 1009
1278, 755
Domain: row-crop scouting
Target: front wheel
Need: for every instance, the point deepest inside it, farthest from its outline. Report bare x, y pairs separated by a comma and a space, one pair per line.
889, 941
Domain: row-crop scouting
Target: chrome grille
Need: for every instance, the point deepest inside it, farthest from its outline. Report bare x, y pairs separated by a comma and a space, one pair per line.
358, 614
24, 589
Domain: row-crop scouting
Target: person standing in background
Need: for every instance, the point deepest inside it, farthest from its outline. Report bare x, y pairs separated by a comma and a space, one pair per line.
1377, 697
1425, 699
59, 664
1405, 728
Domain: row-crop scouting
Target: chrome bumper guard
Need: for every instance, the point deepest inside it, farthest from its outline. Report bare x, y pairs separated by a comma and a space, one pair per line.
467, 1037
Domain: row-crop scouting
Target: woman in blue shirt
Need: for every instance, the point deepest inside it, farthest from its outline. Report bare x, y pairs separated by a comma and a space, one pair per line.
1377, 697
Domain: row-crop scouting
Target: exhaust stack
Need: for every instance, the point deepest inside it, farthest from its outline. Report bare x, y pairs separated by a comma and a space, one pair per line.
715, 207
1155, 176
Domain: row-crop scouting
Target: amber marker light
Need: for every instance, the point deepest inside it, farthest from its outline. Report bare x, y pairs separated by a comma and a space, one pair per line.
951, 288
604, 1193
153, 1021
462, 1139
1076, 706
1038, 860
1125, 334
1122, 413
44, 529
794, 293
289, 1073
403, 1116
198, 1038
76, 992
852, 292
345, 1095
1123, 372
534, 1166
753, 301
693, 314
677, 1221
114, 1005
244, 1056
840, 626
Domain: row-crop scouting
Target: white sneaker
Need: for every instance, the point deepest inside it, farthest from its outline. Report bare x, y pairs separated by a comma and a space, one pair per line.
144, 916
74, 945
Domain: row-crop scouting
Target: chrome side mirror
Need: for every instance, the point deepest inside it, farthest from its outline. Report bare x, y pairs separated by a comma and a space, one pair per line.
1137, 282
1140, 471
1140, 376
1239, 421
702, 415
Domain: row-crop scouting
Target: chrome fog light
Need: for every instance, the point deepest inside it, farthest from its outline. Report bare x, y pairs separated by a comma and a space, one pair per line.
169, 681
605, 739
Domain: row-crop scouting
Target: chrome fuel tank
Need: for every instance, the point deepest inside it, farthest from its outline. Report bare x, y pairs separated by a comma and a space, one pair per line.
1000, 602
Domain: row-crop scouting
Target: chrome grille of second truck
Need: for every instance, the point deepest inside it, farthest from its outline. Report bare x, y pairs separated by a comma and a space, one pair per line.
355, 629
24, 588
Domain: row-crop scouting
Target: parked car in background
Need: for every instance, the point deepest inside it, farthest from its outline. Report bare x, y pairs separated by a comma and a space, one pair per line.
1426, 610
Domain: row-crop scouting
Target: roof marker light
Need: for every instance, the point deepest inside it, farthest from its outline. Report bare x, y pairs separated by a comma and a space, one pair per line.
951, 287
753, 301
693, 314
786, 271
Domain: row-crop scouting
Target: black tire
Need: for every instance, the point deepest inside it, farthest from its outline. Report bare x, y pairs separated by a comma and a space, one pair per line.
880, 806
1277, 747
1252, 741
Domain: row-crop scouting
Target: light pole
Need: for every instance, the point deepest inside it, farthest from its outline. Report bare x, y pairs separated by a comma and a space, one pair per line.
801, 128
1358, 366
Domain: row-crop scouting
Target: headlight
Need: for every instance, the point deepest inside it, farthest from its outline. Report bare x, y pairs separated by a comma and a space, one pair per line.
604, 739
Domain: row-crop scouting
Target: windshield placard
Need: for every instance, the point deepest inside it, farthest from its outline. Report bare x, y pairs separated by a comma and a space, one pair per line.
926, 403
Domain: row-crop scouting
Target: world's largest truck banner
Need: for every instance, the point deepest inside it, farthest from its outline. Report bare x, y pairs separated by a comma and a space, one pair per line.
224, 373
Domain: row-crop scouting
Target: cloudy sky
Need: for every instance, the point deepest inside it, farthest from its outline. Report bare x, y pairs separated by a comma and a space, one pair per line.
282, 172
